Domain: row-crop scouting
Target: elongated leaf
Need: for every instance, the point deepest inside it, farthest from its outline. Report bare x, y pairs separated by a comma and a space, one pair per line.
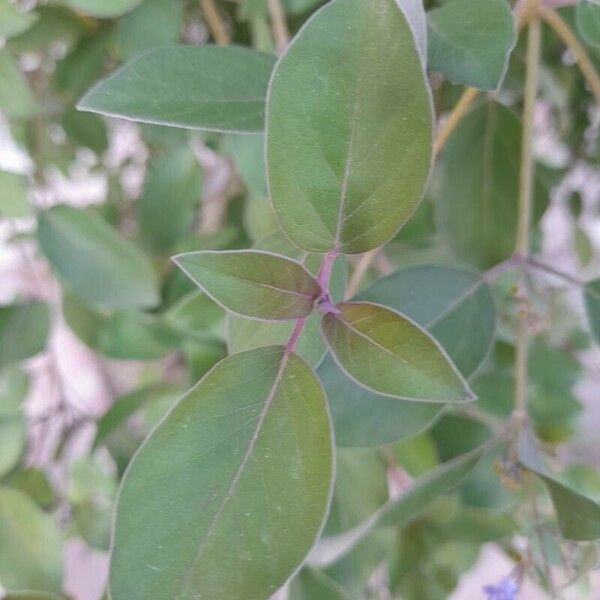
13, 387
477, 211
235, 483
95, 261
14, 21
197, 87
311, 584
16, 99
592, 303
588, 21
456, 306
470, 41
347, 95
578, 516
103, 8
400, 511
391, 355
252, 283
30, 545
23, 331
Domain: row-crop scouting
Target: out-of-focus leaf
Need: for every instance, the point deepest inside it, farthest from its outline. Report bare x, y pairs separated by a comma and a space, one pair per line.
201, 466
30, 545
340, 183
23, 331
296, 7
391, 355
102, 8
95, 261
35, 483
253, 283
16, 99
588, 21
454, 305
196, 87
138, 32
13, 195
578, 516
14, 21
170, 199
86, 130
32, 596
477, 212
196, 315
248, 154
470, 41
311, 584
592, 303
13, 387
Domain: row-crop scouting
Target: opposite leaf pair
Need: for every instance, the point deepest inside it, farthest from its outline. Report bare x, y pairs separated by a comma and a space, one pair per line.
380, 348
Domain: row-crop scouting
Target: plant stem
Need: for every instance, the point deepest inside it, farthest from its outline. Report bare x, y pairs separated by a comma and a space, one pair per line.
281, 34
215, 23
555, 21
552, 271
525, 202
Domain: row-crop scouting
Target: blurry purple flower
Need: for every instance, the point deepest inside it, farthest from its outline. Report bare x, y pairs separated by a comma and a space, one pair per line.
505, 589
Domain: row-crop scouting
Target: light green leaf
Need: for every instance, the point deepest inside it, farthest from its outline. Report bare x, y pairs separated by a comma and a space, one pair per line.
588, 21
477, 211
14, 21
297, 7
95, 261
311, 584
23, 331
248, 154
170, 199
470, 41
30, 545
363, 418
402, 510
32, 596
102, 8
389, 354
13, 195
13, 387
455, 305
16, 99
259, 416
252, 283
592, 303
347, 95
578, 515
196, 87
414, 11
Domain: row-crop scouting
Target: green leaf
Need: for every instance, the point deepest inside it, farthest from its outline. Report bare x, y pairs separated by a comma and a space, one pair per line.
14, 21
592, 303
23, 331
578, 516
95, 261
455, 305
477, 212
588, 21
363, 418
13, 387
311, 584
400, 511
13, 195
257, 417
470, 41
32, 596
389, 354
252, 283
196, 87
348, 93
170, 199
30, 545
102, 8
16, 99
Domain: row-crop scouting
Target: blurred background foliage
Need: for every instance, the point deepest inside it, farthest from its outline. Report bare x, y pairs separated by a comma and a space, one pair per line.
92, 209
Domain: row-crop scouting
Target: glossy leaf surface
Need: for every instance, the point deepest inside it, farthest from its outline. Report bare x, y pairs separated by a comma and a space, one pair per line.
258, 416
196, 87
390, 354
95, 261
470, 41
334, 128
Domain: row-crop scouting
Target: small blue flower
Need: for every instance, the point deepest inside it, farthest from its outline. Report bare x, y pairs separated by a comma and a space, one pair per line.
505, 589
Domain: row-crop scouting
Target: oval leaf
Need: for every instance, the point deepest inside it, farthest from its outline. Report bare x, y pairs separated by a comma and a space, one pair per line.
391, 355
588, 21
349, 92
252, 283
470, 41
197, 87
229, 493
95, 261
